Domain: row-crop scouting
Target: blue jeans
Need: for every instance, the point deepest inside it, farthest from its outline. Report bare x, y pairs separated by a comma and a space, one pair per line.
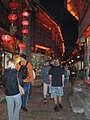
26, 86
13, 105
30, 91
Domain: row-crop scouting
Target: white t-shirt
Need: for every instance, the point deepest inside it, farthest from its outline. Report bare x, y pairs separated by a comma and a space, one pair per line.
34, 74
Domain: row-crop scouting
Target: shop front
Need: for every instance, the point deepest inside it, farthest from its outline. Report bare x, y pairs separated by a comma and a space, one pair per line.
84, 32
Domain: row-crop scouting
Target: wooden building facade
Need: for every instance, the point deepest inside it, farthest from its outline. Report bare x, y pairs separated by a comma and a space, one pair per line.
44, 33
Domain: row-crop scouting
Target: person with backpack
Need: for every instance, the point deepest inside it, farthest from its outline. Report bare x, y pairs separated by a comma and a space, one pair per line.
12, 94
26, 70
30, 91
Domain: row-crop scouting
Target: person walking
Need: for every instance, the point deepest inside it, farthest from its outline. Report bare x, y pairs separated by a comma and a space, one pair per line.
56, 75
73, 75
30, 91
27, 81
46, 81
12, 94
66, 78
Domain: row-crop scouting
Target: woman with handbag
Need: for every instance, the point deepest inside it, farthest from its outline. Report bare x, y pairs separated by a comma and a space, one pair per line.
12, 94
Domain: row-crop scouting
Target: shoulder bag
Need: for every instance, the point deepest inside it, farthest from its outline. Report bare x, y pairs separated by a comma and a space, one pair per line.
21, 89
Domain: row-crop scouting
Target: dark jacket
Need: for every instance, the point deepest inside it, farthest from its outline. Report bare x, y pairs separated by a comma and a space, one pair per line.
9, 81
73, 72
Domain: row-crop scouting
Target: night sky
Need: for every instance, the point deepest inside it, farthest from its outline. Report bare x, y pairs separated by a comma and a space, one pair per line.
67, 23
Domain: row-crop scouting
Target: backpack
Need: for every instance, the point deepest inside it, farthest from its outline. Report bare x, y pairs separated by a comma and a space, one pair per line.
23, 70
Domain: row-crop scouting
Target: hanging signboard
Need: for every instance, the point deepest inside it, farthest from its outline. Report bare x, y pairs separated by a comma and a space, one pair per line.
8, 56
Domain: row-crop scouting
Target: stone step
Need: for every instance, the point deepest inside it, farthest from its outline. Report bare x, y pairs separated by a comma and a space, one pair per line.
87, 107
38, 82
76, 105
81, 97
79, 88
2, 99
2, 94
86, 91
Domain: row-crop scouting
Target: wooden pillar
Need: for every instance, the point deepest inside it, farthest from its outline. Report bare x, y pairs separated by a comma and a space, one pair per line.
0, 61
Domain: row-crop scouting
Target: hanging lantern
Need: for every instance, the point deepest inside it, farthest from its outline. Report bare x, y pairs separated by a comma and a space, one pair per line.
13, 5
5, 43
6, 37
25, 22
21, 46
25, 31
25, 14
12, 17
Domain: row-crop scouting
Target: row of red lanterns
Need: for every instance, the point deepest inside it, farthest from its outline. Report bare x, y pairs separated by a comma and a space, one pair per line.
25, 23
13, 17
25, 31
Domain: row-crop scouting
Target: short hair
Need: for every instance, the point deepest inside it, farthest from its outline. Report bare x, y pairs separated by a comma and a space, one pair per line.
23, 56
10, 60
56, 62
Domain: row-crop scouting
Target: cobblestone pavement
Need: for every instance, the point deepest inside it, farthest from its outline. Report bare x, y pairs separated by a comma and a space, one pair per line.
37, 110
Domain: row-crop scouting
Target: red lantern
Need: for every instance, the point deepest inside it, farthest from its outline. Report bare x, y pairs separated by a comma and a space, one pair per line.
13, 5
25, 22
25, 14
21, 46
5, 43
6, 37
25, 31
12, 17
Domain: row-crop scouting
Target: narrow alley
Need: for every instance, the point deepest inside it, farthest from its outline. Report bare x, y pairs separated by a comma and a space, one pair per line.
37, 110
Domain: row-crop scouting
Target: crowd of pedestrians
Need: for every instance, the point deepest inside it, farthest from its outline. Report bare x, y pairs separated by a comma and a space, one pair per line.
55, 79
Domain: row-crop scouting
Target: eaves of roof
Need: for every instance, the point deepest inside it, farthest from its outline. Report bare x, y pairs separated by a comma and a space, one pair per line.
51, 23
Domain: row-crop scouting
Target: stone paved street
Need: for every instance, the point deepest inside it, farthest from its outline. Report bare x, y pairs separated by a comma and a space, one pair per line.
37, 110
